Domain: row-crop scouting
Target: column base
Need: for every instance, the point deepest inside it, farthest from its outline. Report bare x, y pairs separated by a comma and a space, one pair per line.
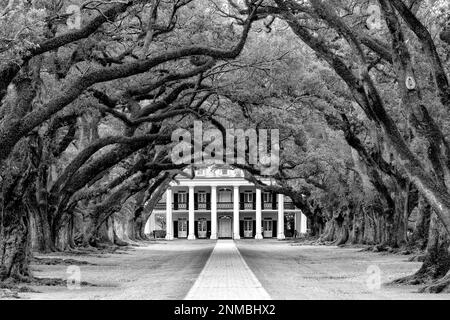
169, 237
213, 237
191, 237
259, 237
236, 237
281, 236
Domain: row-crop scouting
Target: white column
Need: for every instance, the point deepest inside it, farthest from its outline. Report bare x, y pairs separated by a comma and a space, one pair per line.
213, 212
169, 222
280, 225
191, 235
236, 213
258, 215
303, 223
150, 225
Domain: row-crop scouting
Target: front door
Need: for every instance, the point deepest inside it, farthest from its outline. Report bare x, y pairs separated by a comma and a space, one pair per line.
202, 226
267, 229
225, 227
182, 228
248, 228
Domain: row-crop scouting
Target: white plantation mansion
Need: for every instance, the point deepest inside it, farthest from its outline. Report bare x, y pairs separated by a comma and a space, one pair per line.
220, 203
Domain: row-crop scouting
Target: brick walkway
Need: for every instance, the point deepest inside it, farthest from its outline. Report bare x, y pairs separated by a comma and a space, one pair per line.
226, 276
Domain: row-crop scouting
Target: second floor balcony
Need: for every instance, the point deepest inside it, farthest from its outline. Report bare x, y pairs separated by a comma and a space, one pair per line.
204, 206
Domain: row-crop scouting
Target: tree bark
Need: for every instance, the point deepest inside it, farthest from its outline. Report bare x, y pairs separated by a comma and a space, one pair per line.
419, 237
15, 237
437, 258
15, 243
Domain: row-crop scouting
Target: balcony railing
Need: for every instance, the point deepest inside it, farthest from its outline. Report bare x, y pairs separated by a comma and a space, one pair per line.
268, 205
202, 206
247, 205
225, 205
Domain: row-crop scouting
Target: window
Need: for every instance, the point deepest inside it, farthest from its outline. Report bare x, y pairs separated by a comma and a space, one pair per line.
224, 172
248, 197
202, 197
225, 195
267, 196
182, 197
201, 172
182, 224
202, 225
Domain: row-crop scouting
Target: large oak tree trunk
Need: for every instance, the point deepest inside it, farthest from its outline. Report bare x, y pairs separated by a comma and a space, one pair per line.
357, 230
15, 243
437, 258
419, 237
15, 237
139, 227
43, 240
63, 234
17, 176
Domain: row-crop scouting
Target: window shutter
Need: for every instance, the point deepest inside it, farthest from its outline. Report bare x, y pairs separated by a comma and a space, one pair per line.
274, 201
196, 228
195, 201
175, 201
208, 229
175, 229
208, 201
274, 229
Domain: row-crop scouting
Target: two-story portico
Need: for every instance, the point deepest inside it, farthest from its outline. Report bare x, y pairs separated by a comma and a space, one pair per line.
220, 203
